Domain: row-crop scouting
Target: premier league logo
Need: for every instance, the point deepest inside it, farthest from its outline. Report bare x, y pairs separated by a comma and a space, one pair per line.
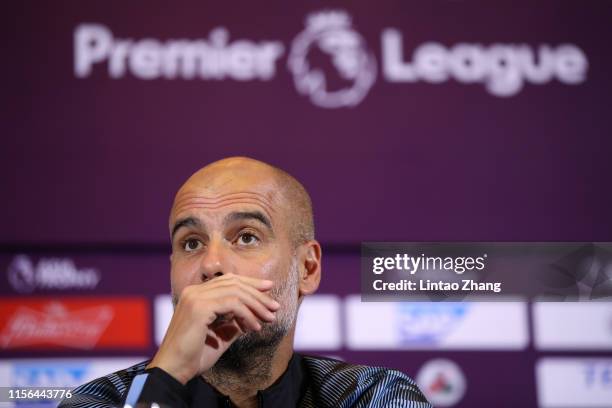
21, 274
330, 61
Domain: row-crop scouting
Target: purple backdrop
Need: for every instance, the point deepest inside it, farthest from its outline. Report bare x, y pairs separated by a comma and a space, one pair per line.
89, 164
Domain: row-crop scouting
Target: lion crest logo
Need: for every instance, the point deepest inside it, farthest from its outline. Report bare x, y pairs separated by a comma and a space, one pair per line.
330, 61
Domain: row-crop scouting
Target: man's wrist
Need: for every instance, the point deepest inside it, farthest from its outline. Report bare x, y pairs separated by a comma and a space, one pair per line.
175, 374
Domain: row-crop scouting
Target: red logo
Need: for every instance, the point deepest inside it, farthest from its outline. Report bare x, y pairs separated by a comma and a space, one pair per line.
75, 323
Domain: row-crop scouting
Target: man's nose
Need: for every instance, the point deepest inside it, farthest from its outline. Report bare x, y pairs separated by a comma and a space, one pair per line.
212, 264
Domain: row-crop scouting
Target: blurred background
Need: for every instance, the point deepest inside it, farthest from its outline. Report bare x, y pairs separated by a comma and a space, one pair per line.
406, 121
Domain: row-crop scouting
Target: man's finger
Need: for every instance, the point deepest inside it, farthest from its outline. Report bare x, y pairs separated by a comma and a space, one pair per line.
240, 310
260, 284
238, 288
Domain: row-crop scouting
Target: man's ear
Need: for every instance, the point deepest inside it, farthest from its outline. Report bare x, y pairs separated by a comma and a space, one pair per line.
309, 267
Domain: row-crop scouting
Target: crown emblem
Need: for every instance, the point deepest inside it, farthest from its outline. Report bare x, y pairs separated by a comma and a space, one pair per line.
328, 19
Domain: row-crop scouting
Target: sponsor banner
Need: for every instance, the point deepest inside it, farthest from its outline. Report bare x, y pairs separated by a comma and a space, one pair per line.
332, 64
318, 323
59, 372
83, 273
26, 274
77, 323
162, 308
573, 326
442, 381
574, 382
443, 326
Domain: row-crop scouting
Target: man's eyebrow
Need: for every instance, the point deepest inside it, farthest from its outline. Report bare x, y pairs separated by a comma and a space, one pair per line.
185, 222
249, 215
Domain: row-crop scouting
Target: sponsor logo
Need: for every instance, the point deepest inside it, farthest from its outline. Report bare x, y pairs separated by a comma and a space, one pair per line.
55, 324
48, 375
435, 326
49, 273
74, 323
428, 323
332, 34
574, 382
442, 382
598, 374
329, 60
59, 372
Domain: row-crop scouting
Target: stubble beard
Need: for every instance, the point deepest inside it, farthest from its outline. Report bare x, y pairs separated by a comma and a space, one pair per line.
250, 355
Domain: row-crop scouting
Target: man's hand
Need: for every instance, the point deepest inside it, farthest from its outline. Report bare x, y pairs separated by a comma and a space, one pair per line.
209, 317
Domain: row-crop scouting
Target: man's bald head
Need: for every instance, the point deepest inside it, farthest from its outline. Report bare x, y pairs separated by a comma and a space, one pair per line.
244, 171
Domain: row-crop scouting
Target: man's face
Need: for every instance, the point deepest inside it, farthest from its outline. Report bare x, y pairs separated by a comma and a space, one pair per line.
235, 224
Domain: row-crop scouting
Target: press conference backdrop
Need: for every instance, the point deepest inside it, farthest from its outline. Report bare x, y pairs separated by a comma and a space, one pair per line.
406, 121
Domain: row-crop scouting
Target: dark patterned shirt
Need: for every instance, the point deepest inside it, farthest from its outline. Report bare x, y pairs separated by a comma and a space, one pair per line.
307, 382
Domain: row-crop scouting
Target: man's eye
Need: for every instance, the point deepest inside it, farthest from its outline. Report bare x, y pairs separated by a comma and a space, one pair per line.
247, 239
192, 245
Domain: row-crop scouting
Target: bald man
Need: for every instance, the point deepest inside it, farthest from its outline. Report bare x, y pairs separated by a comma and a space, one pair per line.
243, 258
